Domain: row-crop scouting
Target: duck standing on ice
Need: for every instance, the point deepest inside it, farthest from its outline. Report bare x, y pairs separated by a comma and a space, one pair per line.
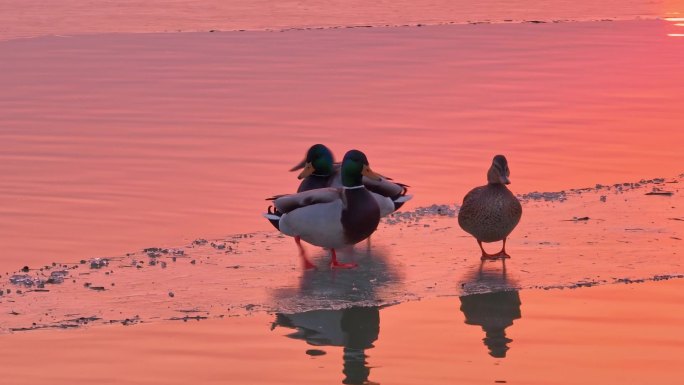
331, 217
490, 212
319, 170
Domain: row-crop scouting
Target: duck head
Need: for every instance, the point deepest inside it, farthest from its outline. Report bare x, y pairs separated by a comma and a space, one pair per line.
354, 167
319, 161
498, 173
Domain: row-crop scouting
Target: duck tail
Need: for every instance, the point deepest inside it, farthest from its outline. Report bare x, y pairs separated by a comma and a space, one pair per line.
275, 197
402, 197
273, 216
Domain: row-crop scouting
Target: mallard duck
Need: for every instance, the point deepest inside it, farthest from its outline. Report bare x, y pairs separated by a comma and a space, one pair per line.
490, 212
331, 217
320, 170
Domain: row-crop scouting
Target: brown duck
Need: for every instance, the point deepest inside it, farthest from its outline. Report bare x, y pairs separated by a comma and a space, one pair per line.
490, 212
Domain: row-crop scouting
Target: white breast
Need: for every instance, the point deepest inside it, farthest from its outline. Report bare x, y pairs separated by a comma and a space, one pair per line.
318, 224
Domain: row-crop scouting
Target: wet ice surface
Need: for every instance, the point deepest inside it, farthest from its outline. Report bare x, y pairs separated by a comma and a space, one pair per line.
621, 233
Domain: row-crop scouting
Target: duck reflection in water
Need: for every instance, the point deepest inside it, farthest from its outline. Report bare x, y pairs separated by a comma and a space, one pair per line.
355, 329
309, 307
375, 278
493, 311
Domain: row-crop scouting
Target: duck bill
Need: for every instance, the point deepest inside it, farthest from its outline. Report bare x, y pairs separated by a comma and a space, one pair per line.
308, 170
504, 179
299, 166
368, 173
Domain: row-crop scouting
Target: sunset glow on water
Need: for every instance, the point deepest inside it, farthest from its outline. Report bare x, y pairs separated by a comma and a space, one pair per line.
132, 125
110, 146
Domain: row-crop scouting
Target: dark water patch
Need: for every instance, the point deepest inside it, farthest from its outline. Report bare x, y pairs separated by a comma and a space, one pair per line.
315, 352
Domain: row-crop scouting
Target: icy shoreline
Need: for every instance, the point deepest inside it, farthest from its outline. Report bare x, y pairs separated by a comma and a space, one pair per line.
577, 238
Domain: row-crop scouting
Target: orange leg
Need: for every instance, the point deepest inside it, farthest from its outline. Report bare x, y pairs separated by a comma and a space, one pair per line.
493, 257
302, 254
334, 264
502, 254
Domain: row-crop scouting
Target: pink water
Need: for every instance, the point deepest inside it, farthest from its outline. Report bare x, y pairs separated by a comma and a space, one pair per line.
628, 334
115, 142
30, 18
118, 133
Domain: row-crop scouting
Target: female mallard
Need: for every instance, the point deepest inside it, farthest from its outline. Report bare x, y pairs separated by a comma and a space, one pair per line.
491, 212
331, 217
320, 170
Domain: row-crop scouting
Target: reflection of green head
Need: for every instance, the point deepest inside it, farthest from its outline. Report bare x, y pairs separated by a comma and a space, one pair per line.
353, 165
321, 158
361, 326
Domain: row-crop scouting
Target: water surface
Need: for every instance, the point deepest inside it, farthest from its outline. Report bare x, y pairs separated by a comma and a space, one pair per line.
531, 336
117, 134
30, 18
115, 142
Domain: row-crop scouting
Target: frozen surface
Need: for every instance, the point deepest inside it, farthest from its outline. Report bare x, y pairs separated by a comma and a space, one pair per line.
581, 237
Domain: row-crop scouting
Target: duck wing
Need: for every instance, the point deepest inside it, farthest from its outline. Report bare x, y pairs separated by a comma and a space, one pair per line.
385, 188
287, 203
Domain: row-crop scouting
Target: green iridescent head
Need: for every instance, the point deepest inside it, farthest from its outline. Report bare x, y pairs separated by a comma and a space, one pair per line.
354, 167
319, 161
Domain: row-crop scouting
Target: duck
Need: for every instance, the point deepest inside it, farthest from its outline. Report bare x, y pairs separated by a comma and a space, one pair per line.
331, 217
320, 170
491, 212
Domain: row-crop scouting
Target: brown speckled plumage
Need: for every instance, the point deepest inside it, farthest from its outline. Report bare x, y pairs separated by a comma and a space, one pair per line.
490, 212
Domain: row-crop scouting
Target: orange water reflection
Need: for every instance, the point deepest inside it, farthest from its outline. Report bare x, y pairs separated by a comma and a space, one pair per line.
619, 333
118, 142
112, 143
22, 18
676, 22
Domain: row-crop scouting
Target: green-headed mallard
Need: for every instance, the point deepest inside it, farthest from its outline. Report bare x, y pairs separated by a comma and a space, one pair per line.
320, 170
490, 212
331, 217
